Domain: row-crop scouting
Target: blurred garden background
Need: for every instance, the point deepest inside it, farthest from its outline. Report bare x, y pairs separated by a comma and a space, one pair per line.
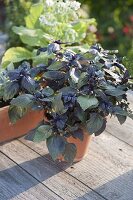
107, 22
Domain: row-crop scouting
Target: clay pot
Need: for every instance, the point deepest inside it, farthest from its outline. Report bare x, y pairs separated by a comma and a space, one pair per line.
10, 131
82, 146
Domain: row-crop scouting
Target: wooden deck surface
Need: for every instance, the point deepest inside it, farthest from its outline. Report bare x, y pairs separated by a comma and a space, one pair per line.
28, 173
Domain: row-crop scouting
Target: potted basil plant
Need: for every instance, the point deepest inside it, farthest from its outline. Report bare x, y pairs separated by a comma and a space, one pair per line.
77, 92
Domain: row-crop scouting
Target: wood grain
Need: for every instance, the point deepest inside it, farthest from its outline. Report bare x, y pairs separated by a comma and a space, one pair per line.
48, 173
107, 167
15, 183
123, 132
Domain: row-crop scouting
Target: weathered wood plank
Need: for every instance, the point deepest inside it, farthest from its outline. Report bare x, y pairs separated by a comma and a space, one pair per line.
15, 183
107, 167
46, 172
123, 132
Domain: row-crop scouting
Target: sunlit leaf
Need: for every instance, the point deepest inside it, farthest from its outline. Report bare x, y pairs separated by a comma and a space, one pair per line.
87, 101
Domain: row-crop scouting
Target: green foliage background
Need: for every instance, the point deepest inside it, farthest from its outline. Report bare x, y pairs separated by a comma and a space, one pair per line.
16, 10
115, 25
16, 18
41, 24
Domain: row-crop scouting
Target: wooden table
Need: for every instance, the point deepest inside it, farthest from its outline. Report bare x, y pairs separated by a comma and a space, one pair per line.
28, 173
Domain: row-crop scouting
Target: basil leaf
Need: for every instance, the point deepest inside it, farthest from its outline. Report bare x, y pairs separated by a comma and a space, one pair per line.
70, 152
87, 102
55, 66
56, 146
83, 79
10, 90
24, 100
28, 83
42, 133
95, 123
15, 113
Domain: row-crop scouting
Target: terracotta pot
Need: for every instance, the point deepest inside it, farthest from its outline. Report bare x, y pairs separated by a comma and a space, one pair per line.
82, 146
10, 131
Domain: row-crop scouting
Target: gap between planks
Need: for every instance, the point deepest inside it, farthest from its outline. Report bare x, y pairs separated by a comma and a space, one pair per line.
16, 183
108, 162
46, 172
123, 132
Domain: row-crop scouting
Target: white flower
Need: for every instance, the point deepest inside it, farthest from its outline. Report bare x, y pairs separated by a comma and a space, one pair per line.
74, 5
61, 7
49, 3
47, 20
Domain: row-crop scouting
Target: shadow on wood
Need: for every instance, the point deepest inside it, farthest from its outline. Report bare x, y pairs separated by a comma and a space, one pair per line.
120, 188
15, 180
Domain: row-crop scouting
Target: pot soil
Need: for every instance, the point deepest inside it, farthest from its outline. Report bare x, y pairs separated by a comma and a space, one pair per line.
9, 131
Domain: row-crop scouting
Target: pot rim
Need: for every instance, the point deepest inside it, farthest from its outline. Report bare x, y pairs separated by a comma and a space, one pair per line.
4, 108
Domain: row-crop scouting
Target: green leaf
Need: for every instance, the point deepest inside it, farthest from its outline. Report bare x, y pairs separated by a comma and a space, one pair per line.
70, 152
56, 146
42, 133
42, 58
57, 104
54, 75
95, 123
14, 55
10, 90
114, 91
29, 84
121, 118
80, 114
32, 37
87, 102
83, 79
66, 90
35, 12
30, 135
10, 66
24, 100
119, 111
15, 113
80, 28
55, 66
1, 91
97, 133
101, 94
48, 91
